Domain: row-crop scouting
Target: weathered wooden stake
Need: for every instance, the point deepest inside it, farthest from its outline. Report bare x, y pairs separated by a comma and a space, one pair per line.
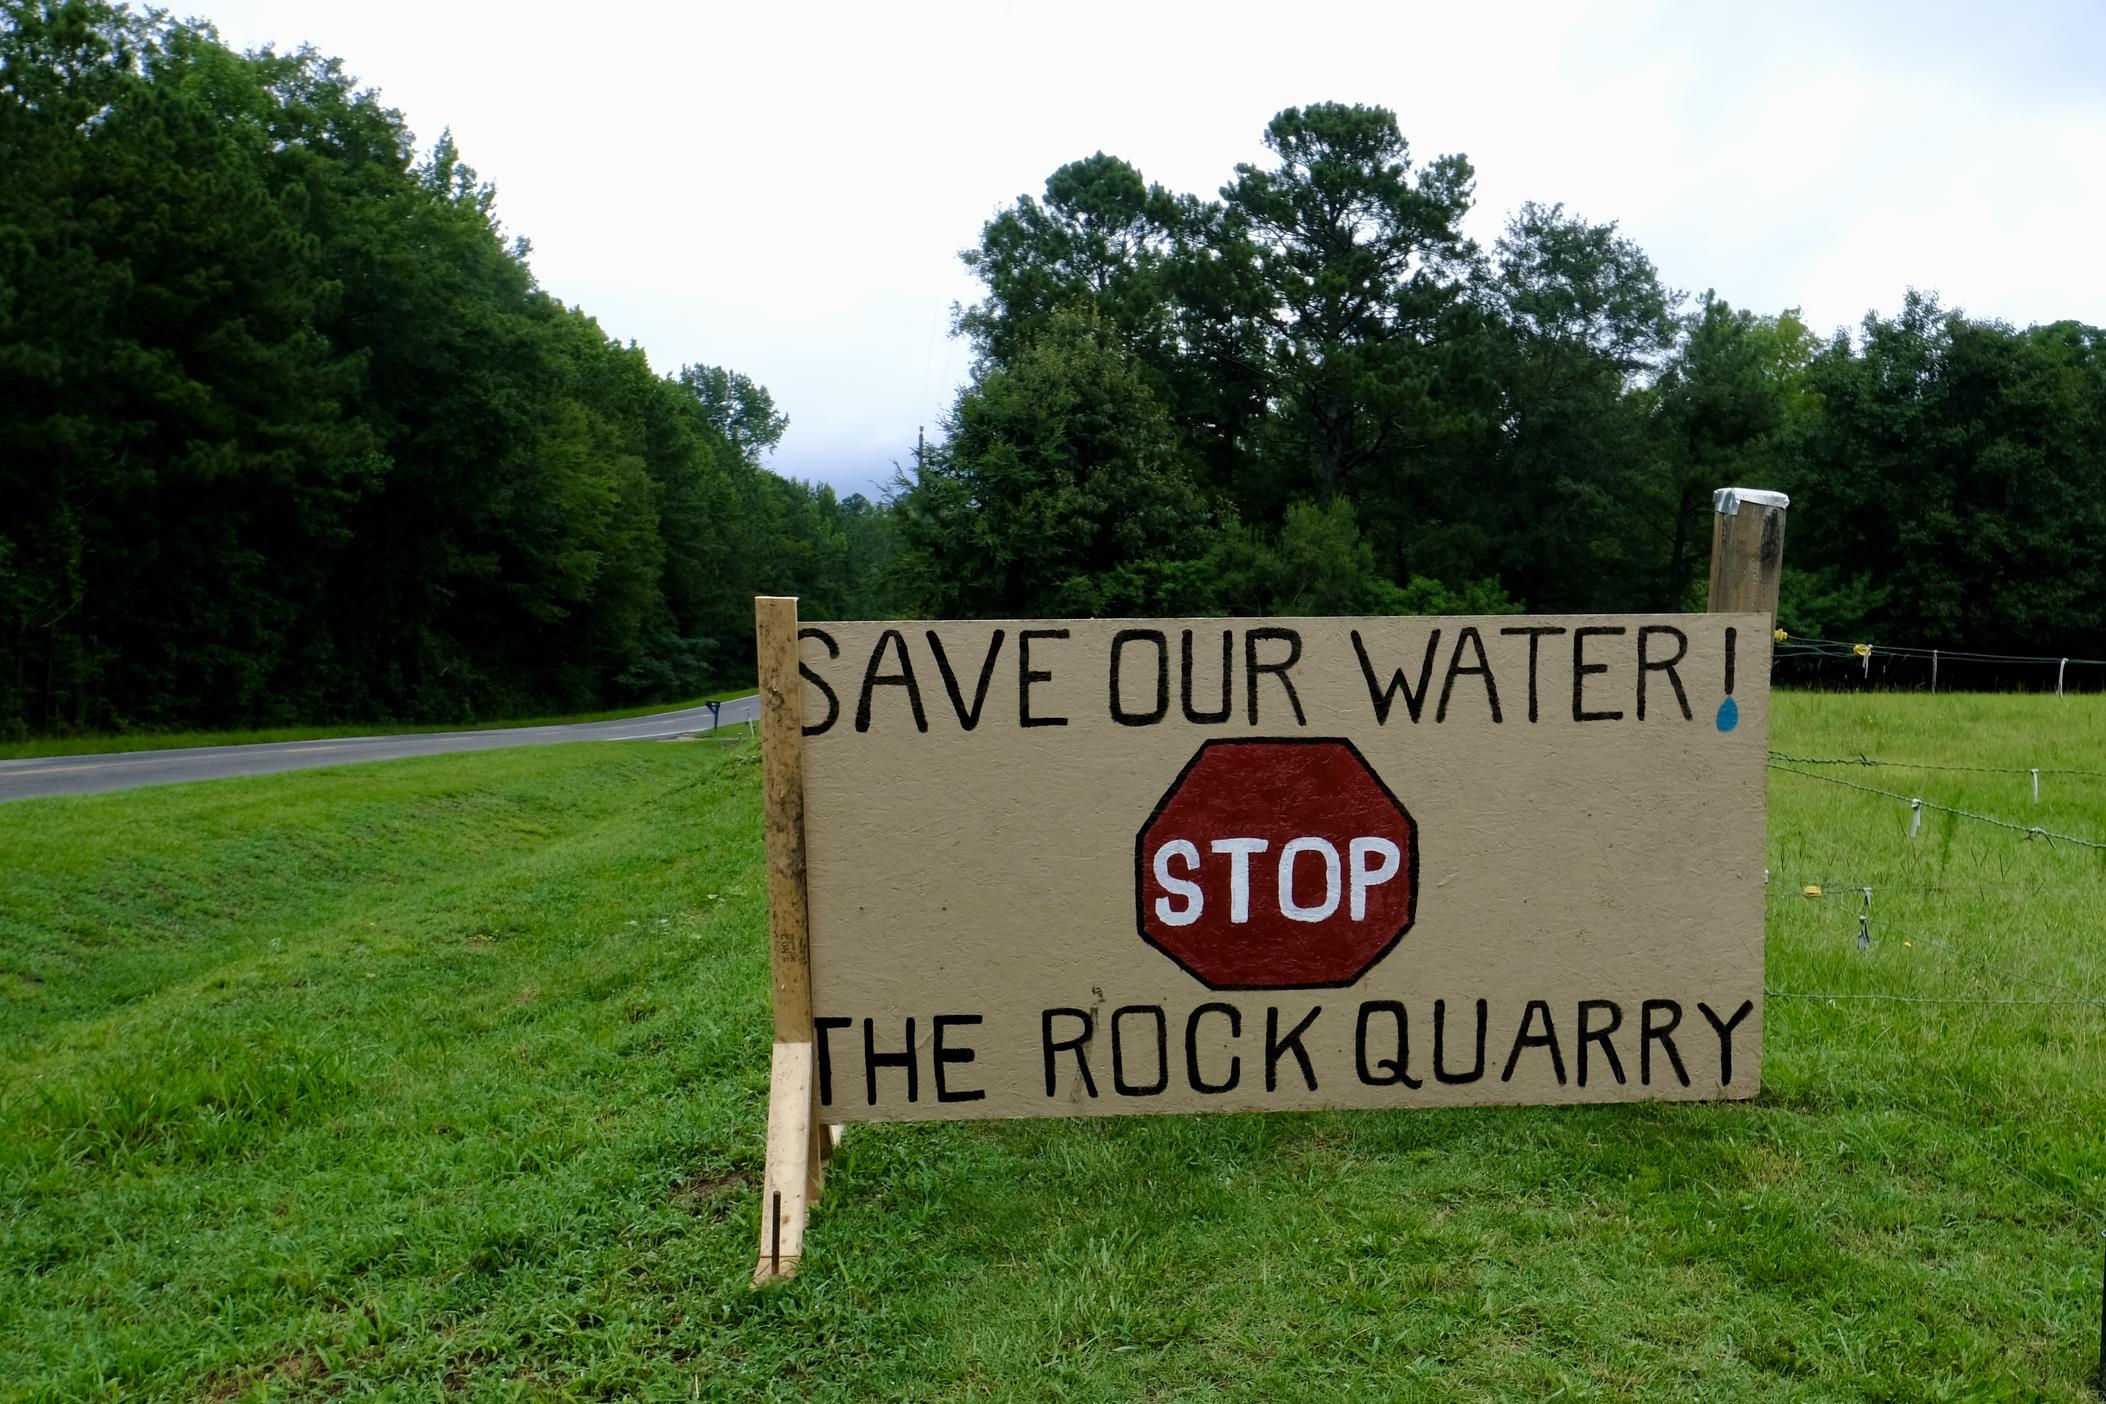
798, 1145
1747, 550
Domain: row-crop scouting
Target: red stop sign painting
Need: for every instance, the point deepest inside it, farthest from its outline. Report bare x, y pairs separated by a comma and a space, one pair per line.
1276, 864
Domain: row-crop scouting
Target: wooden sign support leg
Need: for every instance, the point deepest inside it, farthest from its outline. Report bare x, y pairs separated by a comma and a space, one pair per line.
798, 1144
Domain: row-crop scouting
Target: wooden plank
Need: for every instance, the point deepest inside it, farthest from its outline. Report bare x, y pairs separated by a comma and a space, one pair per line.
787, 1179
782, 786
817, 1154
795, 1159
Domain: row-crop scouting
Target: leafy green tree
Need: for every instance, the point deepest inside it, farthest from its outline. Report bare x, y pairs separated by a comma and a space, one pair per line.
169, 392
288, 430
1947, 492
1580, 318
1733, 387
743, 412
1318, 562
1102, 238
1302, 331
1377, 407
1062, 488
1361, 265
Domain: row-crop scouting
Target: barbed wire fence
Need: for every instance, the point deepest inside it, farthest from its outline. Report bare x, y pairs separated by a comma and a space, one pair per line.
1873, 663
1866, 911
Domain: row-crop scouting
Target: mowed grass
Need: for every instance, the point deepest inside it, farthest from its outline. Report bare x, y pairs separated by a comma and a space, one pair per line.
109, 743
446, 1078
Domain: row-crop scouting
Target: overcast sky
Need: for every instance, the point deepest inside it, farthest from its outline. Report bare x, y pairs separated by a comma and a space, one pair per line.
783, 189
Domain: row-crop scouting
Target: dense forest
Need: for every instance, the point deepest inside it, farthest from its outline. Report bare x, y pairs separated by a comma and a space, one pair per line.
288, 431
1316, 394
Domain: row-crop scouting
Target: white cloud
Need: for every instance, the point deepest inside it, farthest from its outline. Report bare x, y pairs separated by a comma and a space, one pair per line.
784, 189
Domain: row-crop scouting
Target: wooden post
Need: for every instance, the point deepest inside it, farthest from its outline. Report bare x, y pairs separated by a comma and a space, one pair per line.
798, 1145
1747, 550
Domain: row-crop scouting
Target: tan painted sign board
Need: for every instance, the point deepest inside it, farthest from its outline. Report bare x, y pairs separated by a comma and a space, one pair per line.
1093, 867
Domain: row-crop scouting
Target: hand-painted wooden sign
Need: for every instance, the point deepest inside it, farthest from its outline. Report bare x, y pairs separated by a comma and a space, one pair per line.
1082, 867
1085, 867
1069, 868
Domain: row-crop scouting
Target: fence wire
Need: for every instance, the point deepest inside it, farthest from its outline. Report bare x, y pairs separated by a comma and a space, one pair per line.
1856, 899
2031, 831
1811, 645
1883, 998
1926, 765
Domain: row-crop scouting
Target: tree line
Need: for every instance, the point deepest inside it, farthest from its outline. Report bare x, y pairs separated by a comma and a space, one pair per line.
1314, 393
288, 431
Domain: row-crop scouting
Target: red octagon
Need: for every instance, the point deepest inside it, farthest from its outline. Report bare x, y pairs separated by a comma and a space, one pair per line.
1276, 864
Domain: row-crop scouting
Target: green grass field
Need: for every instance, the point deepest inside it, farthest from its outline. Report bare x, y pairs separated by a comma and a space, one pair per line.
109, 743
446, 1078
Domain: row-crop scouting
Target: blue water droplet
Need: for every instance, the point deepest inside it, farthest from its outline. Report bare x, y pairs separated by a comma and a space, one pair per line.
1728, 714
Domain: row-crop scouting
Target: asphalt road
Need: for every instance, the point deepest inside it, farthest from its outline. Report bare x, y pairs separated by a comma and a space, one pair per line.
87, 775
